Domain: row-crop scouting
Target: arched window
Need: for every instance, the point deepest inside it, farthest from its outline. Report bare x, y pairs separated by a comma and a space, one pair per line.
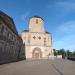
36, 21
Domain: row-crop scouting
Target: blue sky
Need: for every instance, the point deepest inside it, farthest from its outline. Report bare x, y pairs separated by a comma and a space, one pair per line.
59, 17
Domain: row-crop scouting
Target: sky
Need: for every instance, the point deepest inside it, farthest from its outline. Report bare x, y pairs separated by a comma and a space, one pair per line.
59, 17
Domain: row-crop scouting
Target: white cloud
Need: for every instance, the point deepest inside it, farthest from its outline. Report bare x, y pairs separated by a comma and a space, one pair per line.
70, 39
67, 42
67, 38
64, 36
68, 27
70, 47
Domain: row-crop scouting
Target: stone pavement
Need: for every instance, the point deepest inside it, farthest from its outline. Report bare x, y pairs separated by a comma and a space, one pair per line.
39, 67
64, 67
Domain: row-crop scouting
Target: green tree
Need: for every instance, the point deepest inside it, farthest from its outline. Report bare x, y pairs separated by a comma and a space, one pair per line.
73, 54
55, 52
68, 53
61, 52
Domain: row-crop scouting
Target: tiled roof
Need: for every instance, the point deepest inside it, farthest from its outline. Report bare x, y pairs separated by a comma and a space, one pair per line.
25, 31
8, 21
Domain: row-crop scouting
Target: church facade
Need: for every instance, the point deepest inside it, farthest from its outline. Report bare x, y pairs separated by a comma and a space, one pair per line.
38, 42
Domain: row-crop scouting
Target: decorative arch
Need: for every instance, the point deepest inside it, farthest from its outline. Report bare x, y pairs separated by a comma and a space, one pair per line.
36, 54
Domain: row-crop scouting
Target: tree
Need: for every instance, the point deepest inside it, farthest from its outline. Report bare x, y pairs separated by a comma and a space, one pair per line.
68, 53
73, 54
55, 52
62, 52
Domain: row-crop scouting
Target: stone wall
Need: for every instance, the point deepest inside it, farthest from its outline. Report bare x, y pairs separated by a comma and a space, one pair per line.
11, 45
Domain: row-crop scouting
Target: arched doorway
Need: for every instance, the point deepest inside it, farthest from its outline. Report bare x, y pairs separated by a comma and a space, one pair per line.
37, 54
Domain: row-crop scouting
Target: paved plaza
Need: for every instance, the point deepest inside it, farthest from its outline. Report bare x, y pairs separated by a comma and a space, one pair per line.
39, 67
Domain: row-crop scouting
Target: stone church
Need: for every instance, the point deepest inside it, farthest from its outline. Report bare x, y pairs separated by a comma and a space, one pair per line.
38, 42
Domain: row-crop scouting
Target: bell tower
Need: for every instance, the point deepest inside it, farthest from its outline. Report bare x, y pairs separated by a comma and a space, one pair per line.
36, 24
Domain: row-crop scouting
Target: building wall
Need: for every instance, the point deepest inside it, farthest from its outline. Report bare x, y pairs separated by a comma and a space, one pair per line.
37, 41
36, 25
44, 43
36, 38
45, 51
11, 46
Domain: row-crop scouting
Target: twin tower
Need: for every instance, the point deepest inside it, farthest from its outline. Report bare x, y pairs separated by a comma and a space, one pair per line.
38, 42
